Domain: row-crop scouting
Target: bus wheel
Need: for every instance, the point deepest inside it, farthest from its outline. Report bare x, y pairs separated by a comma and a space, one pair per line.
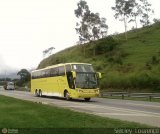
66, 95
87, 99
40, 93
36, 93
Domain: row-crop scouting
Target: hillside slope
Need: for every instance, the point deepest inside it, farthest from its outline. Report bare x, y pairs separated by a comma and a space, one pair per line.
125, 65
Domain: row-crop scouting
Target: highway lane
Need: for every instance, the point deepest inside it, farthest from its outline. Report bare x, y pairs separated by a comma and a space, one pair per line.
135, 111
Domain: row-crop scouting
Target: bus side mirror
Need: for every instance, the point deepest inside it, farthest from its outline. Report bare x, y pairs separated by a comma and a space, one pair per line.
99, 75
74, 74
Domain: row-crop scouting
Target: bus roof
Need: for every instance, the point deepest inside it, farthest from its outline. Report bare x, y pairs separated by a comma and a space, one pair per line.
57, 65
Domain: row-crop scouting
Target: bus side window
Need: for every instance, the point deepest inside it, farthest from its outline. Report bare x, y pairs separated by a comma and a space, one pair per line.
61, 71
42, 74
54, 72
38, 75
68, 68
35, 75
47, 73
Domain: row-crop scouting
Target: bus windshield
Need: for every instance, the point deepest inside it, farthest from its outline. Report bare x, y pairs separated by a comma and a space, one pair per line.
85, 76
86, 80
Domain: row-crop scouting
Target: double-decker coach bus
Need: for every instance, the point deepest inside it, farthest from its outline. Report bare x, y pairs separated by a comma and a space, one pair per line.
69, 80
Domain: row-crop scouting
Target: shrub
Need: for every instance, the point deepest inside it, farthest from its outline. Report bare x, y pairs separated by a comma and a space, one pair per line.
129, 81
154, 60
106, 45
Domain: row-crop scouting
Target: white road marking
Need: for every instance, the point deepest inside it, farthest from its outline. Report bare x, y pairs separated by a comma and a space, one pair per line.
84, 106
127, 110
44, 103
143, 105
122, 114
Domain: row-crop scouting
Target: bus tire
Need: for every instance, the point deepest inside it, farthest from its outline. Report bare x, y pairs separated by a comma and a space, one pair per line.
66, 95
87, 99
40, 93
36, 93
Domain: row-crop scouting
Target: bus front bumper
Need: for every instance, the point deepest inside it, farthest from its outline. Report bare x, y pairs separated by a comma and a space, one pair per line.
87, 93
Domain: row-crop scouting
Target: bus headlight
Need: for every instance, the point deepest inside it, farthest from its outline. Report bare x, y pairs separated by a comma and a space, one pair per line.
96, 91
80, 91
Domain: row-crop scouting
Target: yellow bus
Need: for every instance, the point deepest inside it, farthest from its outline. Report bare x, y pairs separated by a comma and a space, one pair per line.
68, 80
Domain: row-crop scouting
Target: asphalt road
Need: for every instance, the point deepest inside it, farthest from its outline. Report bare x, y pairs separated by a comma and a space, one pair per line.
134, 111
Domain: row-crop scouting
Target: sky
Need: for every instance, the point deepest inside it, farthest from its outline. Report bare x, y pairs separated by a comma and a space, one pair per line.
28, 27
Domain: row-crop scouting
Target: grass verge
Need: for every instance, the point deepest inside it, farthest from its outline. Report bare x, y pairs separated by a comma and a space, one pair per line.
41, 118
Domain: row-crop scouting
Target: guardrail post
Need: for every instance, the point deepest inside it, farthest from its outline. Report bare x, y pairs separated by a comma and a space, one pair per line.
150, 98
129, 95
123, 96
101, 94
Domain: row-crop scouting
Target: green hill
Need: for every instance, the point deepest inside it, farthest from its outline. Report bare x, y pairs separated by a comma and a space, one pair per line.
125, 65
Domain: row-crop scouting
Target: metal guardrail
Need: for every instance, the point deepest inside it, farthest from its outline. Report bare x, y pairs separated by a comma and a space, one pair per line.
150, 96
22, 89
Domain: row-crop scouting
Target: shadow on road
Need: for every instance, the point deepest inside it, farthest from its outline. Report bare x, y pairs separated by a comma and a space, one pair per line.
71, 100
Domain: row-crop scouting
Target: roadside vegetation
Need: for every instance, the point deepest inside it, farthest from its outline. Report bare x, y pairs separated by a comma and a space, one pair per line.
132, 65
24, 114
23, 83
129, 61
25, 77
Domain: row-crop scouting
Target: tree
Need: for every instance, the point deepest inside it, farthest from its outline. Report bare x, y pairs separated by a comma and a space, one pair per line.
91, 26
146, 6
123, 10
48, 51
137, 11
24, 75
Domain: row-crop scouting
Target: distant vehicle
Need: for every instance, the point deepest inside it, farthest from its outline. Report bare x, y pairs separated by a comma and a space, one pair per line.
69, 80
9, 86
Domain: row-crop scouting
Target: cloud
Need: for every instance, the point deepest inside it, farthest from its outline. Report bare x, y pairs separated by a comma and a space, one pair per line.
4, 68
2, 65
